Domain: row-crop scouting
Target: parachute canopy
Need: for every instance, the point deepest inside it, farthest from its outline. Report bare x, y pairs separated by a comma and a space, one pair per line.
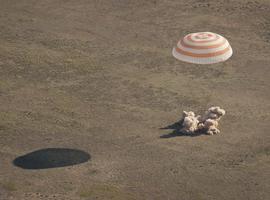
203, 48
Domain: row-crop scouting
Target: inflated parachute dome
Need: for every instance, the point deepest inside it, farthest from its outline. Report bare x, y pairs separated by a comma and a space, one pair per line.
203, 48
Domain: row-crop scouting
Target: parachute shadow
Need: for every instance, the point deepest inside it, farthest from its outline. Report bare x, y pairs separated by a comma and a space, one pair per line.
51, 158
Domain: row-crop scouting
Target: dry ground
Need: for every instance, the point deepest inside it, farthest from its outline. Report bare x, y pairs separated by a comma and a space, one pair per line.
98, 76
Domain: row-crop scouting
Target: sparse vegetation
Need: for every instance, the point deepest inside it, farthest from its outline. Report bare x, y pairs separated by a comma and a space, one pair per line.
104, 192
9, 186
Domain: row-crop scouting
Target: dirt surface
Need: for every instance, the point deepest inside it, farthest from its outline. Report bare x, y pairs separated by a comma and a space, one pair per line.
98, 76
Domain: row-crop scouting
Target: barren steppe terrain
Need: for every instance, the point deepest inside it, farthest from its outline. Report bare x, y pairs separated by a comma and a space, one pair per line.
98, 76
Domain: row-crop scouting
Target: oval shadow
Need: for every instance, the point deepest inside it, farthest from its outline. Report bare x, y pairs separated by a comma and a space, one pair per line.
51, 158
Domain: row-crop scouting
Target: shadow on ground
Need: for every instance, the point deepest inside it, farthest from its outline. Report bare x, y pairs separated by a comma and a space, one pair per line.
51, 158
176, 127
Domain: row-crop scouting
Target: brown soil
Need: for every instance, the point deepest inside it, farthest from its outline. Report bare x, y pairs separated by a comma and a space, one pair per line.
98, 76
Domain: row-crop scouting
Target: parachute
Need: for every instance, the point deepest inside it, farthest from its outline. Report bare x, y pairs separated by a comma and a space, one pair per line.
203, 48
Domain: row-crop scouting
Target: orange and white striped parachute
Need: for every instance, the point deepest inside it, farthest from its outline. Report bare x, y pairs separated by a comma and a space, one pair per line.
203, 48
